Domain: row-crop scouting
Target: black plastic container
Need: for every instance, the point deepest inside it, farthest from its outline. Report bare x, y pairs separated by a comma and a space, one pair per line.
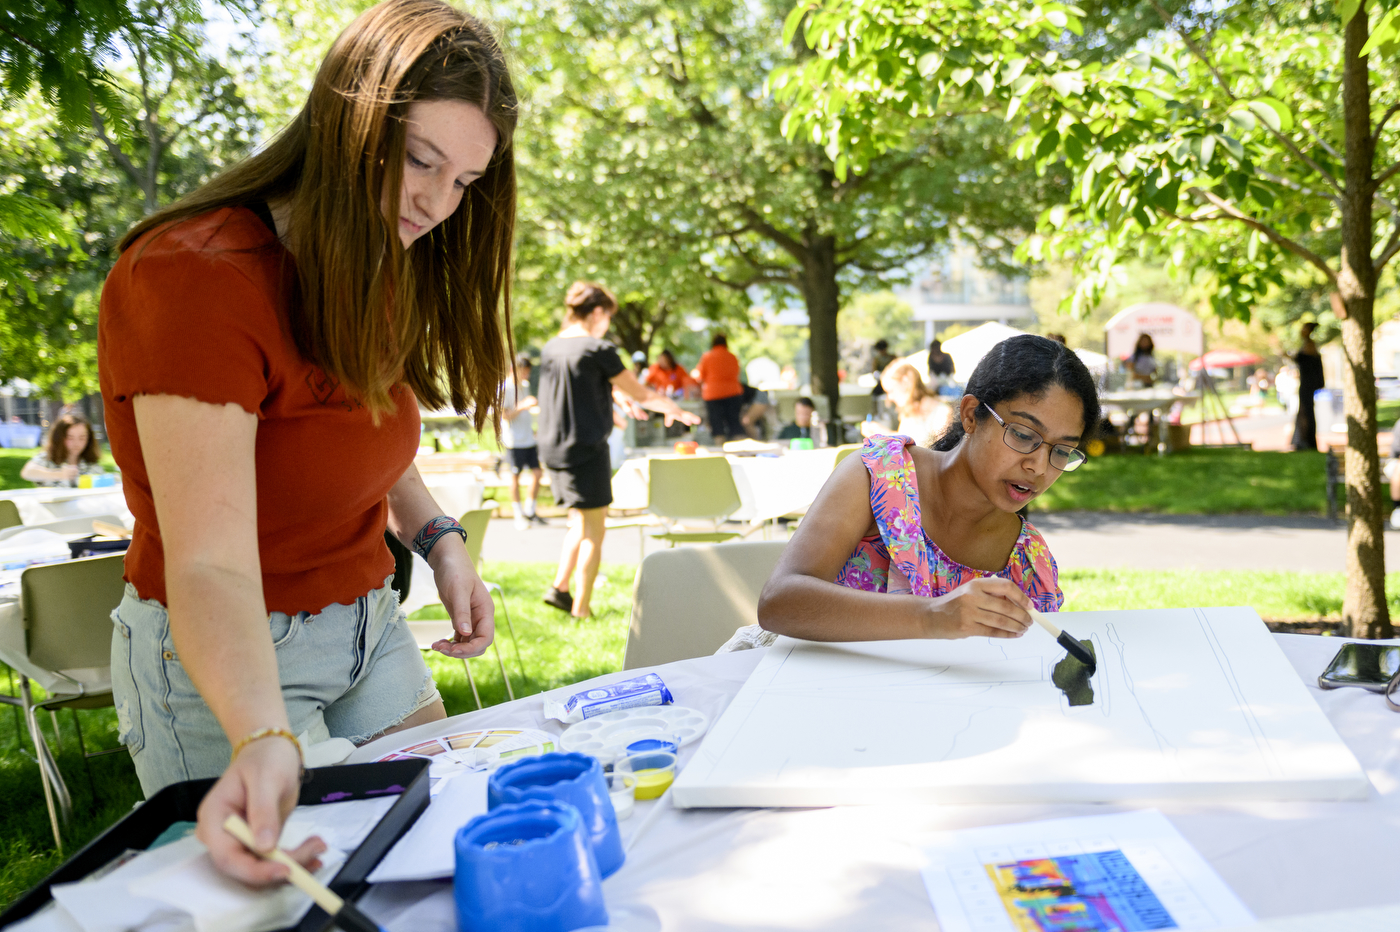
179, 802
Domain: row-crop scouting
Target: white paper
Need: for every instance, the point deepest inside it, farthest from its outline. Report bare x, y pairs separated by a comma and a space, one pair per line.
1371, 919
177, 885
1115, 865
1196, 704
425, 851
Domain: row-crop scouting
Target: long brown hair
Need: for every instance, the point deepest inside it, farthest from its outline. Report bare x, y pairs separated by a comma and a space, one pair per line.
437, 315
57, 445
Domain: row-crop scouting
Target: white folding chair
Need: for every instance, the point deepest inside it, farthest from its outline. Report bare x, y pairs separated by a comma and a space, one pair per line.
690, 600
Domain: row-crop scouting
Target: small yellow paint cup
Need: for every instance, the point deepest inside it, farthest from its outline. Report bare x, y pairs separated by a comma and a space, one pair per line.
648, 774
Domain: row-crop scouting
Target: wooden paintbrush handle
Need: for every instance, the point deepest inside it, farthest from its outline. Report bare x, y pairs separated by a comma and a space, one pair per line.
109, 529
300, 877
1045, 623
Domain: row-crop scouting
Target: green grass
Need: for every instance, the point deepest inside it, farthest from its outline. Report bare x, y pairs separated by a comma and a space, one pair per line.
557, 652
12, 461
1194, 482
1275, 595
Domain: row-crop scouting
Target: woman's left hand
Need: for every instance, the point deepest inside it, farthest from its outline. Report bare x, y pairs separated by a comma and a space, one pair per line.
468, 604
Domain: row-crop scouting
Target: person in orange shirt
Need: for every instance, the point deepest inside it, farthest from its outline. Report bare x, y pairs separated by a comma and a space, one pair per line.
718, 374
665, 375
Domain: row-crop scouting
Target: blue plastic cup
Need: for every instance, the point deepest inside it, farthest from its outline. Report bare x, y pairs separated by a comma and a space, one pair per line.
572, 778
527, 867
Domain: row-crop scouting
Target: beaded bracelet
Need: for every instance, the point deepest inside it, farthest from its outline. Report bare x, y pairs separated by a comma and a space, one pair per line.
433, 531
269, 733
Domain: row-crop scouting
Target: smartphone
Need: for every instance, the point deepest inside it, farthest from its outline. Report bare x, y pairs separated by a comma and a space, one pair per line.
1370, 666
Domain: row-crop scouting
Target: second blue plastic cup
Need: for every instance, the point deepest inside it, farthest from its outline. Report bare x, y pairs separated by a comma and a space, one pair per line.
572, 778
527, 867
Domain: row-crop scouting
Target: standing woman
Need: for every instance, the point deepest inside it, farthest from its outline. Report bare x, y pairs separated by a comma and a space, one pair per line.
263, 347
70, 452
1310, 380
578, 373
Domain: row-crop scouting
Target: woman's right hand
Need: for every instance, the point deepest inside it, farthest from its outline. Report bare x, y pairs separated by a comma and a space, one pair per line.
987, 607
261, 785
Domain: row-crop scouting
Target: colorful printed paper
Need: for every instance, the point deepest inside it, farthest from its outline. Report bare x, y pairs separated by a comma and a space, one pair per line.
1131, 872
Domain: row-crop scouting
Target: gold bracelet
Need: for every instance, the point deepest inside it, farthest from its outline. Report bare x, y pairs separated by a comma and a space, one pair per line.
269, 733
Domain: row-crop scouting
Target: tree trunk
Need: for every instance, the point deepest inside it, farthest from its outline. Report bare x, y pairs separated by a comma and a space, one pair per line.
823, 299
1364, 607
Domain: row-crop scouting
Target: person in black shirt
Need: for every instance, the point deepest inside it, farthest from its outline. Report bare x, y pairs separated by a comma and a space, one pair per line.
1309, 361
579, 371
880, 358
801, 425
939, 362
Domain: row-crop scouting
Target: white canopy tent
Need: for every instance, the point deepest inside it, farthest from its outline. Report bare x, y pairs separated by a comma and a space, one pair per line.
1173, 330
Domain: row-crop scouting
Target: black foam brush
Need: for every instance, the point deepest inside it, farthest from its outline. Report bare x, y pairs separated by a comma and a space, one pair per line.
1076, 648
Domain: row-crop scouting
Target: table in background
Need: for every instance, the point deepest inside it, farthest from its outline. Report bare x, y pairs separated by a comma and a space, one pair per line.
41, 505
769, 486
858, 867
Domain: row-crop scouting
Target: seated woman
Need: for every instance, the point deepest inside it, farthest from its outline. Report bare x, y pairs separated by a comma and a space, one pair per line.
669, 378
907, 542
922, 414
69, 452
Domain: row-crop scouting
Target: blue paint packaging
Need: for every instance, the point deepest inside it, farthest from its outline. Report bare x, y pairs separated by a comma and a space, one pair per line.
627, 694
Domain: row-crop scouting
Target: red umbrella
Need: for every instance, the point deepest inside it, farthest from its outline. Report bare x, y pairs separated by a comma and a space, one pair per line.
1225, 359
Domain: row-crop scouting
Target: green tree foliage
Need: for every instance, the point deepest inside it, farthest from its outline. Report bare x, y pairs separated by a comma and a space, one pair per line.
652, 151
179, 119
1243, 141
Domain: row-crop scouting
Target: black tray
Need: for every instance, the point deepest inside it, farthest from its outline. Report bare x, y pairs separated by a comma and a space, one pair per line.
180, 802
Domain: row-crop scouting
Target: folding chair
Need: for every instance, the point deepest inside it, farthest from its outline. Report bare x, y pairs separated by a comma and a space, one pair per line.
690, 488
475, 523
67, 609
689, 601
9, 513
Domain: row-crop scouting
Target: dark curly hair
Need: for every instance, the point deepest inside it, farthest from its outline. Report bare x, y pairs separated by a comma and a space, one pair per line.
1026, 365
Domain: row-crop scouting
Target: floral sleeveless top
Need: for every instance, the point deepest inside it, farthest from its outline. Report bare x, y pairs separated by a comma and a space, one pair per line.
904, 559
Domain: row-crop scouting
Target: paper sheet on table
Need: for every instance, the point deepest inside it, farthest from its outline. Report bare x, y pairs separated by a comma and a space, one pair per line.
425, 851
176, 887
1111, 873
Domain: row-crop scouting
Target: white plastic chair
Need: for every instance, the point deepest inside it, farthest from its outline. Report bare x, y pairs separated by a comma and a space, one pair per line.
690, 600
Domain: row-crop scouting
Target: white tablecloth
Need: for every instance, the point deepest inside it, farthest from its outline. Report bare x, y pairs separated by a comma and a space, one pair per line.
858, 867
39, 506
769, 486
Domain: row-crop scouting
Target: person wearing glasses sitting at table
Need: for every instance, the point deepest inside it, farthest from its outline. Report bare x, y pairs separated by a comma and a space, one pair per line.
909, 542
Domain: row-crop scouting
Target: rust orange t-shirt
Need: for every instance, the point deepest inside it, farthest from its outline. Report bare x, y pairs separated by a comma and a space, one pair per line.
200, 310
719, 374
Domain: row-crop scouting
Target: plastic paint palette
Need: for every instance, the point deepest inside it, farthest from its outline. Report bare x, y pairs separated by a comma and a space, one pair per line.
605, 736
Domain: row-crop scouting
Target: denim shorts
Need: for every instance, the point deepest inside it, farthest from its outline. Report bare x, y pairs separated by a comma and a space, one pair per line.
349, 671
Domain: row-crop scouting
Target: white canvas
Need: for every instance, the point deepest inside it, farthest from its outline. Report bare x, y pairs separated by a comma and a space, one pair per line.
1189, 704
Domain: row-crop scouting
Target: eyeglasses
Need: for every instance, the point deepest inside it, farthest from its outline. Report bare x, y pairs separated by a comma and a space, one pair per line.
1024, 440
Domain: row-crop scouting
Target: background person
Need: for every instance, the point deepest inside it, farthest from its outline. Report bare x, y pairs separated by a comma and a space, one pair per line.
801, 425
518, 439
880, 358
262, 402
1308, 359
922, 414
718, 375
940, 364
928, 543
578, 372
1142, 365
69, 452
671, 379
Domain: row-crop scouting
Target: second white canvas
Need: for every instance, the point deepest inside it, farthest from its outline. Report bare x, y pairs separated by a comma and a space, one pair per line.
1187, 703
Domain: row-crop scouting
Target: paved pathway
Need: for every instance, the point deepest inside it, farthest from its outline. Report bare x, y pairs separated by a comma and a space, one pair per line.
1078, 540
